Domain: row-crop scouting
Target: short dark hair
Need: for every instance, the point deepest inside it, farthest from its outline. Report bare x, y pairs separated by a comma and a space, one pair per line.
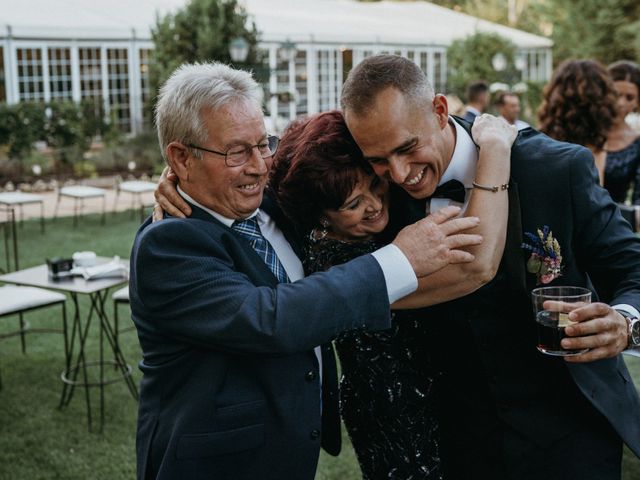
502, 95
579, 103
315, 168
625, 71
476, 89
379, 72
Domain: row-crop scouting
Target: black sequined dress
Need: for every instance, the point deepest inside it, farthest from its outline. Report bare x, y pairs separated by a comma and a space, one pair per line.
621, 170
386, 386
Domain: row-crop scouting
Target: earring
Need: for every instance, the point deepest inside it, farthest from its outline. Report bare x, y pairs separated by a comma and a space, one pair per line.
319, 235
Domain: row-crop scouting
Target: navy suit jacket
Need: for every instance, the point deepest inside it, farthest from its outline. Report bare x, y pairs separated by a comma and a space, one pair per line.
230, 381
485, 343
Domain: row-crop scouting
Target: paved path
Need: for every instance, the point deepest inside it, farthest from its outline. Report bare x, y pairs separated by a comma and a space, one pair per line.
91, 205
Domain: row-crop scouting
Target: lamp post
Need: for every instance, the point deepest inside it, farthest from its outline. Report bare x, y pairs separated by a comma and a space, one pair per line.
499, 62
286, 53
238, 50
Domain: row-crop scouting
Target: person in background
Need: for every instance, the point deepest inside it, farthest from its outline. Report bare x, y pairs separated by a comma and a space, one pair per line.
622, 166
579, 106
508, 107
477, 100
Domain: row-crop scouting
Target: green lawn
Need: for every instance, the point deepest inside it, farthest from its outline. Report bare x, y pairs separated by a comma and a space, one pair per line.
38, 441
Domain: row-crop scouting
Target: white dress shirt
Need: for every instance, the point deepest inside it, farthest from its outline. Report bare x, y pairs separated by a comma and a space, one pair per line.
462, 167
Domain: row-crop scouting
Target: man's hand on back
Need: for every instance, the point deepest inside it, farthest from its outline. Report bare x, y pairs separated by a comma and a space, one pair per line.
435, 241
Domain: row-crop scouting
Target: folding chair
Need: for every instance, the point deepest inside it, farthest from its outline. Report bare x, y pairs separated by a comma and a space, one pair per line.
18, 300
80, 193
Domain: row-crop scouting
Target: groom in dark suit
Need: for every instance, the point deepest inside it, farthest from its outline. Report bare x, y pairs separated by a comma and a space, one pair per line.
234, 384
508, 411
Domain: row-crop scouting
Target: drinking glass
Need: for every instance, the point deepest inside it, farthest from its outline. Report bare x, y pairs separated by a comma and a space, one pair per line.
552, 306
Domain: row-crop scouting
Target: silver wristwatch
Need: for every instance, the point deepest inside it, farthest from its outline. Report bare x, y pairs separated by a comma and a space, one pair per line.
633, 334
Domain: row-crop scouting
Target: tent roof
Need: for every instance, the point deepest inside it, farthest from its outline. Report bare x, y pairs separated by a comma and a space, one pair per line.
322, 21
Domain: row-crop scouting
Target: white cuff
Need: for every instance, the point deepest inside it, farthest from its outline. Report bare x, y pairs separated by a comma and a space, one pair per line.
627, 308
400, 278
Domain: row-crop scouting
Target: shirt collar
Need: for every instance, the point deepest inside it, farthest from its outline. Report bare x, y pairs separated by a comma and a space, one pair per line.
474, 110
463, 162
226, 221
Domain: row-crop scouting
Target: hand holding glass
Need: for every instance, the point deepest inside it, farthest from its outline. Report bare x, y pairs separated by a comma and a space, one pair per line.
552, 306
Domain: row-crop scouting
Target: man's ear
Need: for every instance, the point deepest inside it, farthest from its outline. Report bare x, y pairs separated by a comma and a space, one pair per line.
179, 159
441, 110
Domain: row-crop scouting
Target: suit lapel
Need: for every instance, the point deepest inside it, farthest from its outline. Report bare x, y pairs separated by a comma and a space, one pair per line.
512, 259
255, 263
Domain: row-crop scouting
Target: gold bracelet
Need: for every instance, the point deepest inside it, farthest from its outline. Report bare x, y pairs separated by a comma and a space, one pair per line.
494, 188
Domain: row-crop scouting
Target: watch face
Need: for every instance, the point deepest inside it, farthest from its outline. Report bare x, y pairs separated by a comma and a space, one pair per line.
635, 333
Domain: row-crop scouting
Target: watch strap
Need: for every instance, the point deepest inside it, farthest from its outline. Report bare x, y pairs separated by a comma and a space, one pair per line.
633, 341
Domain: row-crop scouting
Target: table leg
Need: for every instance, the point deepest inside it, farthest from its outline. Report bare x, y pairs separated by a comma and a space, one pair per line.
41, 217
70, 375
101, 315
120, 360
55, 211
14, 238
81, 363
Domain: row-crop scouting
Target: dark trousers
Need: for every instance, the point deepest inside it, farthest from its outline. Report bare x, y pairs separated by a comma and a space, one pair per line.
593, 451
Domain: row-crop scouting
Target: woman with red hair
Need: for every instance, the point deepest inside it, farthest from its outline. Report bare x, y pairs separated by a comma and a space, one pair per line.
331, 194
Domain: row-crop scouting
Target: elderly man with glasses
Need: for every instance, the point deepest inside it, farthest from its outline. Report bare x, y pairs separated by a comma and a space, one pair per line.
234, 384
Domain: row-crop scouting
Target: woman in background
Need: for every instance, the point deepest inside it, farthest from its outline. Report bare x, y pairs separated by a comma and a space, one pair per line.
622, 167
579, 106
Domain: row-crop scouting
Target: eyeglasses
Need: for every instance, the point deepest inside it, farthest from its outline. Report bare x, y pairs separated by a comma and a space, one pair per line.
236, 156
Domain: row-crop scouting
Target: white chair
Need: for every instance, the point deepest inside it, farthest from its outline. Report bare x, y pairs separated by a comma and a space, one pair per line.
136, 188
18, 300
18, 198
80, 193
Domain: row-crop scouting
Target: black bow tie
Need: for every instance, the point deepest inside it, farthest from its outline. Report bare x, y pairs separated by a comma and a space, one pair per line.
453, 189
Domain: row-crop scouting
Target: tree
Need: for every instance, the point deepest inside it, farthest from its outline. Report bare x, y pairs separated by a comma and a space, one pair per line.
471, 59
21, 125
606, 30
199, 32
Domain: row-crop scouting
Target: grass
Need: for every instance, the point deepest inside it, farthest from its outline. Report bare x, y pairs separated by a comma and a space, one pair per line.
39, 441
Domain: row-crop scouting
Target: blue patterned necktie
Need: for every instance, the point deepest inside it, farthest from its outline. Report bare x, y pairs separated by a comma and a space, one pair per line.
250, 230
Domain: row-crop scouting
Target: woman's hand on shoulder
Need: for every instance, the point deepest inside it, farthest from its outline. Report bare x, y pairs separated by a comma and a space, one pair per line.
493, 132
168, 199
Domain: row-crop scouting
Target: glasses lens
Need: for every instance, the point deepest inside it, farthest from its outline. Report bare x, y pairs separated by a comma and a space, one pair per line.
273, 144
238, 156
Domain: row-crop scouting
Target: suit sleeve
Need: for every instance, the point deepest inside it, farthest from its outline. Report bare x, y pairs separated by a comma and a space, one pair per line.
604, 243
185, 286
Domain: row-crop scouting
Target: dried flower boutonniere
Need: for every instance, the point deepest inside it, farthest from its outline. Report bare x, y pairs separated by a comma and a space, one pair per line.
545, 260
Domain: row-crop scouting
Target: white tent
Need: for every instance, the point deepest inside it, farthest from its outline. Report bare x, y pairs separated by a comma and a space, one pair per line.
77, 49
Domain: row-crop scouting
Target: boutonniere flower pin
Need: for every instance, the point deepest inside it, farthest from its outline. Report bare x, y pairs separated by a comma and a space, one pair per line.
545, 260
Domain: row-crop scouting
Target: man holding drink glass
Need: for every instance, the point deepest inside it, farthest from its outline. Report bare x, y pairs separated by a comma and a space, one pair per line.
509, 411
